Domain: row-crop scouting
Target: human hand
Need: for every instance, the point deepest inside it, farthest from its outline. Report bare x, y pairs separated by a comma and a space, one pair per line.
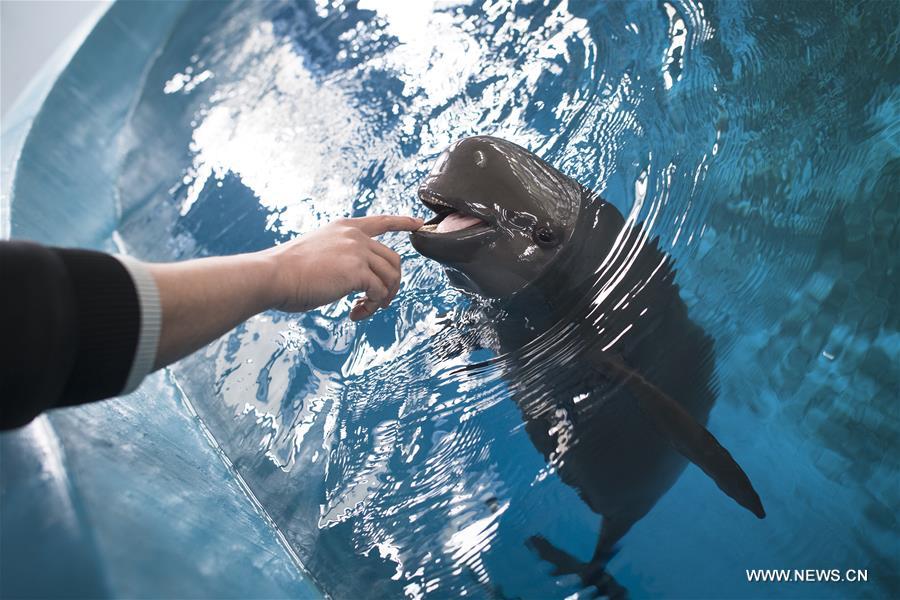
337, 260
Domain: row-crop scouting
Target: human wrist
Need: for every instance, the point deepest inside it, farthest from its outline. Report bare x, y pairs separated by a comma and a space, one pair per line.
266, 280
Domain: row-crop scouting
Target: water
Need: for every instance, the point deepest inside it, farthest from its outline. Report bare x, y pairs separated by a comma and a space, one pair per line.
758, 141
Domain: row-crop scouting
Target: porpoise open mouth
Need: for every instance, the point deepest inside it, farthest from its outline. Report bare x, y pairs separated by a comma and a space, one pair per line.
448, 218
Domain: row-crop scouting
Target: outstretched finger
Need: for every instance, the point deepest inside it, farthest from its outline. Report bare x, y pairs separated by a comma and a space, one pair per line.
377, 224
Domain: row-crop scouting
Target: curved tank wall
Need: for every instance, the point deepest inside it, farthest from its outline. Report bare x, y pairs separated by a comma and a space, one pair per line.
129, 497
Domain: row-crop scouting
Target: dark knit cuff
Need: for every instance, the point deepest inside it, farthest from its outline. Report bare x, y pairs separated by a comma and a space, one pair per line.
107, 325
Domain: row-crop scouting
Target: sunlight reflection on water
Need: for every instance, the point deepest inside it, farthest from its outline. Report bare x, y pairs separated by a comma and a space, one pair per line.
390, 468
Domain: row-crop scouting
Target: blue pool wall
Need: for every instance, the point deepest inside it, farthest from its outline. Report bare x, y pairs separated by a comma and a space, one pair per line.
129, 497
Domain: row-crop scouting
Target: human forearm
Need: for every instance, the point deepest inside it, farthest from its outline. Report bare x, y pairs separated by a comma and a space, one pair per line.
84, 325
204, 298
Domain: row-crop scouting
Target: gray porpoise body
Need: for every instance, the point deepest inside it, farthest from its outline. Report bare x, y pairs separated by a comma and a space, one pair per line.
594, 290
619, 463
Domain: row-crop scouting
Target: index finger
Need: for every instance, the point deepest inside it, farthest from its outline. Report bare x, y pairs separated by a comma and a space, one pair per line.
377, 224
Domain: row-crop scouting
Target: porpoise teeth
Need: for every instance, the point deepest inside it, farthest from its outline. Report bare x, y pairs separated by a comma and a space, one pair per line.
429, 227
432, 200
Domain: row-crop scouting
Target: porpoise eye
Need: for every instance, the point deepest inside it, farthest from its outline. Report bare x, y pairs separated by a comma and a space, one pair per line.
544, 237
480, 159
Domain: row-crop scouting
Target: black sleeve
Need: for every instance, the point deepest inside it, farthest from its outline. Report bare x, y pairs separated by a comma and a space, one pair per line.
69, 323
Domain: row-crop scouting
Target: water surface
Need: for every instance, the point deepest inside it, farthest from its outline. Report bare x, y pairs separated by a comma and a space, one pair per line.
758, 141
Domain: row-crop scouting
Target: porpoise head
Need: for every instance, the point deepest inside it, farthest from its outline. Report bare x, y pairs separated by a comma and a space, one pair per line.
502, 215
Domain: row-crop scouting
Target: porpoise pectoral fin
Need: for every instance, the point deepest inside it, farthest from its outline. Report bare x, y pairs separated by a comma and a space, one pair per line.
689, 437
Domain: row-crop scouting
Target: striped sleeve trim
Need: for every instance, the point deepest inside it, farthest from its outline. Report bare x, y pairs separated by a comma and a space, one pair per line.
151, 322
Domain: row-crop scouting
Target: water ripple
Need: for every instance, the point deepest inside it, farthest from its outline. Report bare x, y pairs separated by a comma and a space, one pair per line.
755, 144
